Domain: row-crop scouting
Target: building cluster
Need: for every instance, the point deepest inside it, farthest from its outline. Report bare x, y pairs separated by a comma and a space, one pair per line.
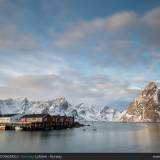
35, 122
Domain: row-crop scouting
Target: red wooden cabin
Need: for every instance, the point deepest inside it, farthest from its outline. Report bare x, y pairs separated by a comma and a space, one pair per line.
37, 118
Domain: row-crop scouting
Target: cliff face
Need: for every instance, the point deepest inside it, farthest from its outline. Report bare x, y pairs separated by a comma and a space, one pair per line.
145, 108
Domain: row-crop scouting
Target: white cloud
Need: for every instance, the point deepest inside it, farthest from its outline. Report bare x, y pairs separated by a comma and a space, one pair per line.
151, 27
33, 64
121, 20
152, 19
81, 30
147, 27
76, 88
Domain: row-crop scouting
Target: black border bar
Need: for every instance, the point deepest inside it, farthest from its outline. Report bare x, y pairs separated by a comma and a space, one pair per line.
82, 156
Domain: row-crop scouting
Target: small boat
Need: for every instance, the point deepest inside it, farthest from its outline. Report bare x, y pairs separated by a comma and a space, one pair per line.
85, 127
94, 129
17, 128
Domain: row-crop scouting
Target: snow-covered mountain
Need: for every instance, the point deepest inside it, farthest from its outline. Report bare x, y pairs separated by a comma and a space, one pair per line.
146, 107
59, 106
110, 114
19, 105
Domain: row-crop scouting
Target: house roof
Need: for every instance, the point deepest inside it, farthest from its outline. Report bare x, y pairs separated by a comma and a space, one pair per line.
35, 115
7, 115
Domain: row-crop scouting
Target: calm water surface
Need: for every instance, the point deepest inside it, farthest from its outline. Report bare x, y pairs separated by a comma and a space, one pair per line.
109, 137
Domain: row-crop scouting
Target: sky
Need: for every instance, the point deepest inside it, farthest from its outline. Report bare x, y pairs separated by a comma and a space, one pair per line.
100, 52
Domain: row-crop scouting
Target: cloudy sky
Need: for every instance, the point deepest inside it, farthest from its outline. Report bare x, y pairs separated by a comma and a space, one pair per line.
92, 51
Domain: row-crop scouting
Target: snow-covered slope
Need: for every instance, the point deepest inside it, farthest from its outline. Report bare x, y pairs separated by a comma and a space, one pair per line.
19, 105
59, 106
110, 114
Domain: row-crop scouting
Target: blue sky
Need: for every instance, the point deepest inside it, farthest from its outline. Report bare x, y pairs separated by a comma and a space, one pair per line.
97, 52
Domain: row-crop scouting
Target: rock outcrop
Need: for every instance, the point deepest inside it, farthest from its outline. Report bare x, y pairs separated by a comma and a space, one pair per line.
145, 108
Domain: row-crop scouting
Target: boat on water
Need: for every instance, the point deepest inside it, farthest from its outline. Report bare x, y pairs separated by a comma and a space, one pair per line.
84, 129
17, 128
90, 128
93, 127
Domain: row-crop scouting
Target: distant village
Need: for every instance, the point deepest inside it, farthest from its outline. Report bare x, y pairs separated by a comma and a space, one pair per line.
33, 122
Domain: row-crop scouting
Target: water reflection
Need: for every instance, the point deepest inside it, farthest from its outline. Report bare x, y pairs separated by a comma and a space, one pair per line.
109, 137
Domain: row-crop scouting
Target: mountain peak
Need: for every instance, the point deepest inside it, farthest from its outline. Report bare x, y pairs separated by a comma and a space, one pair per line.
22, 99
157, 83
146, 107
61, 99
154, 83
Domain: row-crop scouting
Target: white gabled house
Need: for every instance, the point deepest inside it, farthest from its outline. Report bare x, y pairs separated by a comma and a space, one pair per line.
7, 118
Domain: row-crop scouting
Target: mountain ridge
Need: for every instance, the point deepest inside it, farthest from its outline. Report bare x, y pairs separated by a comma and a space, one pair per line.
58, 106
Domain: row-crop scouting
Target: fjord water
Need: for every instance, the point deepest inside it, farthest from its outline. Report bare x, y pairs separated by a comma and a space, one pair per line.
108, 137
